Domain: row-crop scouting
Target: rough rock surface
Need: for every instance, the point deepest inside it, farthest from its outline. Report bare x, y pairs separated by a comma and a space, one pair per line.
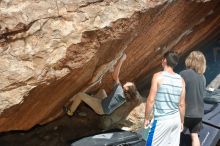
51, 50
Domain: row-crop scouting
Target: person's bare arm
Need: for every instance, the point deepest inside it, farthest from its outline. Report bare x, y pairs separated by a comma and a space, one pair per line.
150, 98
118, 68
182, 104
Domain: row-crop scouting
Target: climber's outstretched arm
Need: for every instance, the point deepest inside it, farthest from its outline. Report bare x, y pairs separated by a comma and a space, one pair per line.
118, 68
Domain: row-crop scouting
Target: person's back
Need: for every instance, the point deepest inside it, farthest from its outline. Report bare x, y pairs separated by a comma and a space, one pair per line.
167, 100
195, 87
167, 96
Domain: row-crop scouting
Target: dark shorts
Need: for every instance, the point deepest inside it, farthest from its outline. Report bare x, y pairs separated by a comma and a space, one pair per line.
193, 124
114, 100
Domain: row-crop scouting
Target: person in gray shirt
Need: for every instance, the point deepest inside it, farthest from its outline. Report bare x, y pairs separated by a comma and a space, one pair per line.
195, 89
103, 104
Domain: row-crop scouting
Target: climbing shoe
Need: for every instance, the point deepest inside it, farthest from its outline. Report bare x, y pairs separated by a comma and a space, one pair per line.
67, 111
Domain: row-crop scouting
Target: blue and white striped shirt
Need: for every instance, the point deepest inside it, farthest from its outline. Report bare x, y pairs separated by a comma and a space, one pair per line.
168, 96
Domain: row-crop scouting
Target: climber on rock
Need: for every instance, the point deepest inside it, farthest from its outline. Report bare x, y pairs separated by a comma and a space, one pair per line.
103, 104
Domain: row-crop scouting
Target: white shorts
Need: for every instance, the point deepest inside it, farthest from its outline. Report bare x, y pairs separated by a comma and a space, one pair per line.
165, 132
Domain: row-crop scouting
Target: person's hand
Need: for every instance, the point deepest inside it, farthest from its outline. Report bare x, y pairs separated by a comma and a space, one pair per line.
182, 127
146, 122
124, 56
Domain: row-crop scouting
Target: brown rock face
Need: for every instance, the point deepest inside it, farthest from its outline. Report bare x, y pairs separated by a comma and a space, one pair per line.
51, 50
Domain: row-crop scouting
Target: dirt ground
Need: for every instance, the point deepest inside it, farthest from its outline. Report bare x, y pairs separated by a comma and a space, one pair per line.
58, 133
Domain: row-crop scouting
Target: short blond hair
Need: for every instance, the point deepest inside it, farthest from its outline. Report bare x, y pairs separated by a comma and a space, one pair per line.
196, 61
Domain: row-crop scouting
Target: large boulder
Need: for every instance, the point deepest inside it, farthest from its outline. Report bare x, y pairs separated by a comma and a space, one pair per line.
50, 50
